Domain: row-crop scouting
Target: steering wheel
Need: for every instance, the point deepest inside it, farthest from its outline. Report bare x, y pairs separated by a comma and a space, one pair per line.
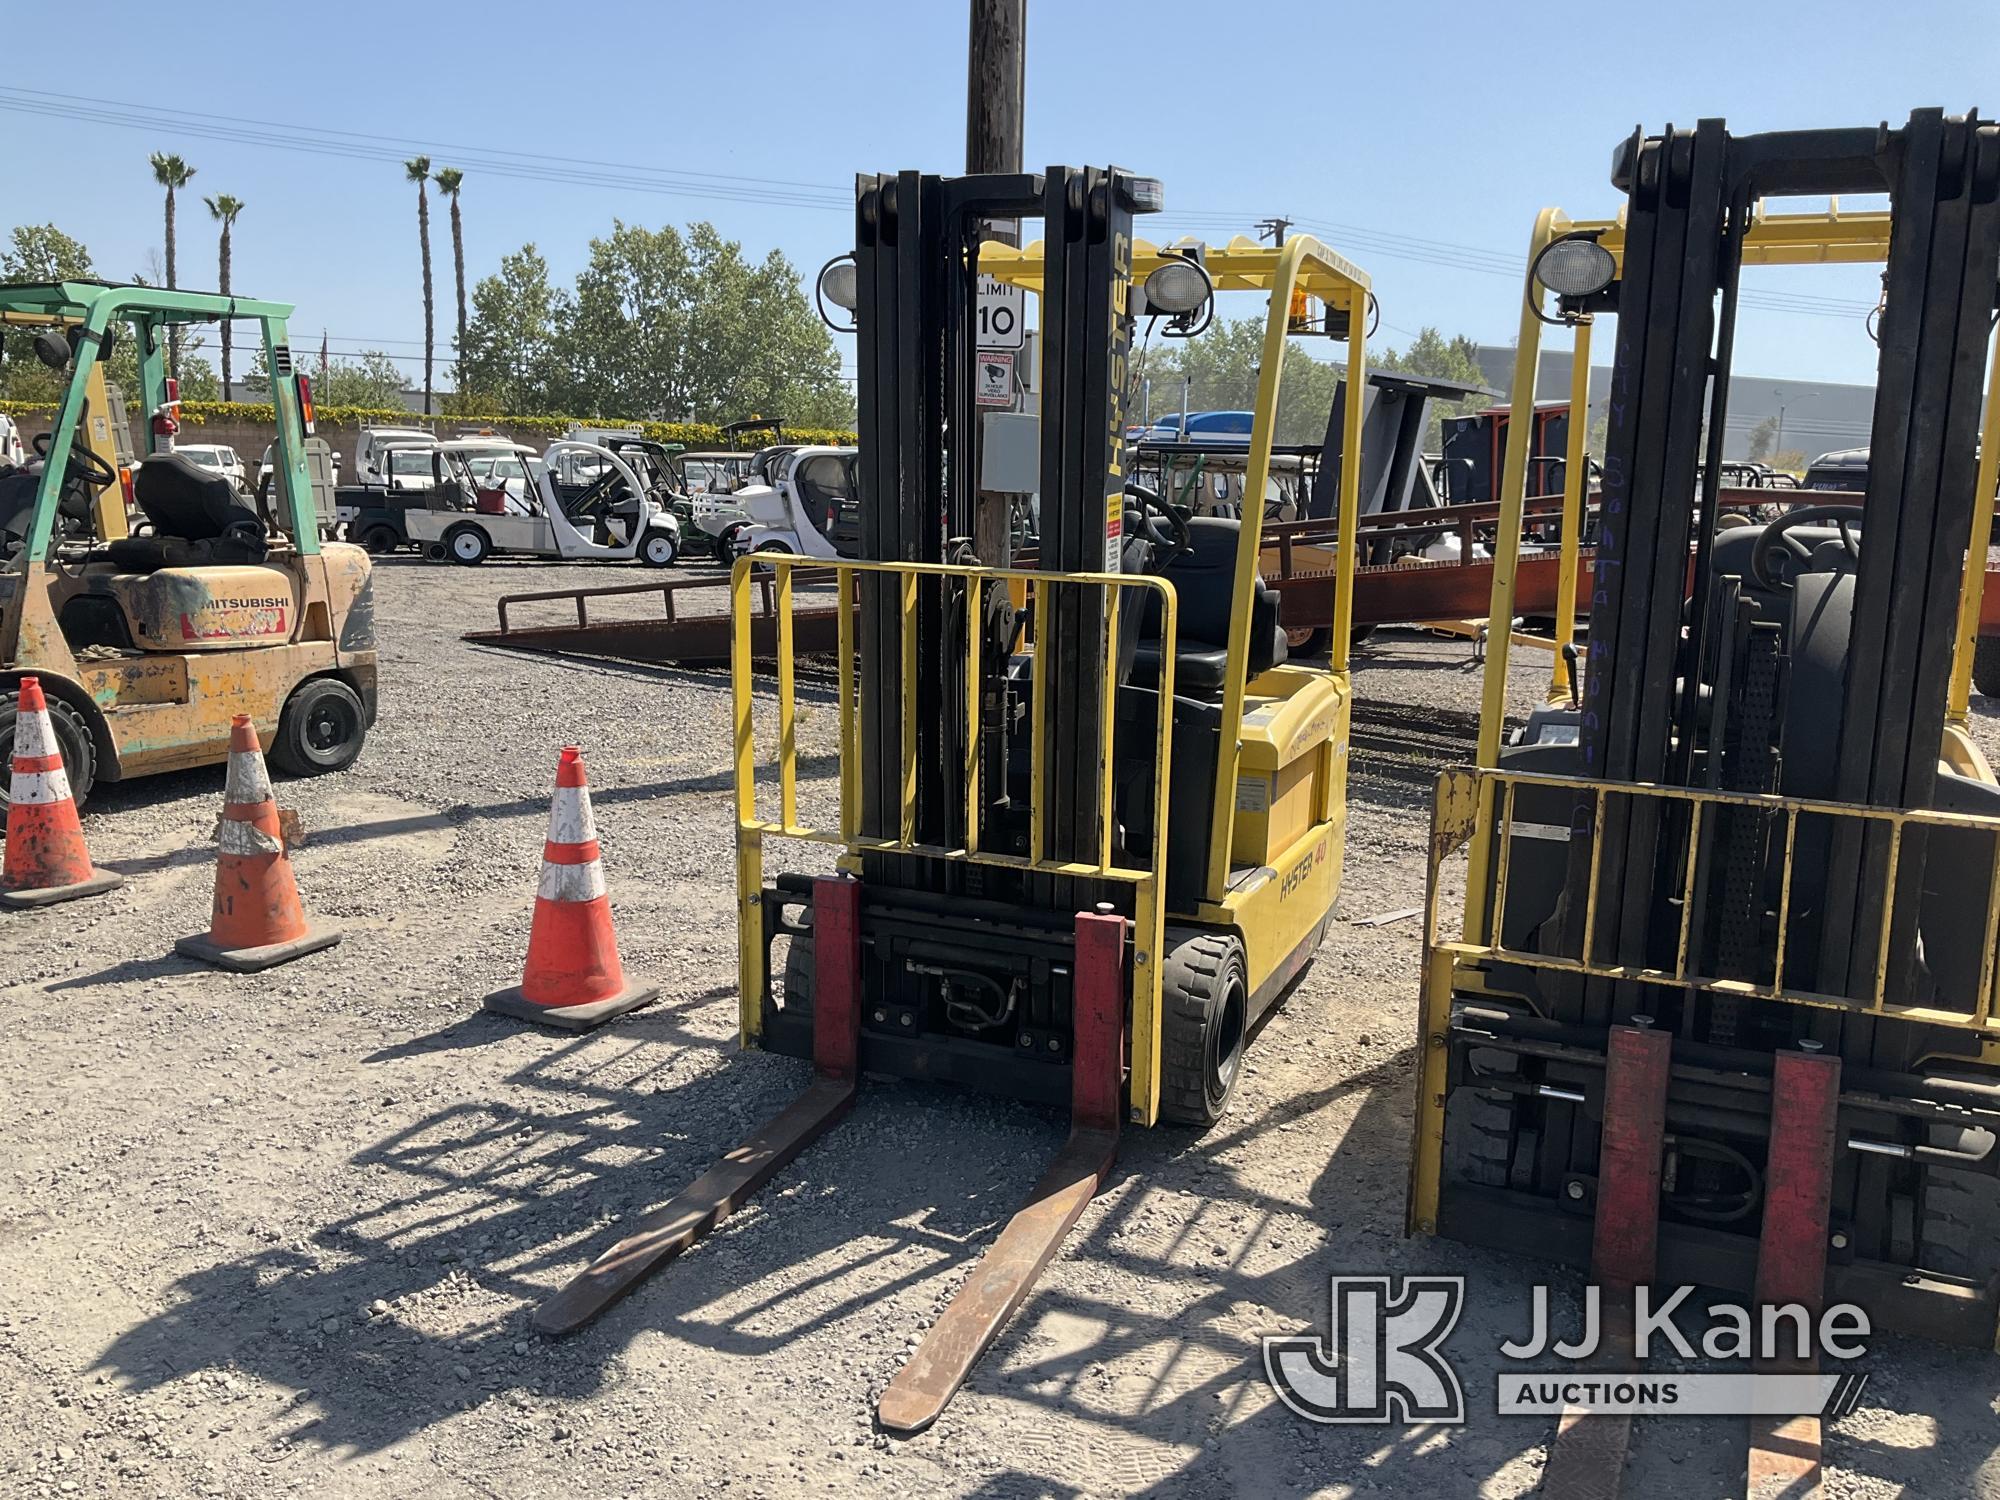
1150, 506
1777, 534
84, 466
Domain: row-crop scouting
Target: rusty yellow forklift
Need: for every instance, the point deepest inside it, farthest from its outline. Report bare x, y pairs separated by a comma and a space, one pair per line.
147, 645
1720, 1007
1090, 816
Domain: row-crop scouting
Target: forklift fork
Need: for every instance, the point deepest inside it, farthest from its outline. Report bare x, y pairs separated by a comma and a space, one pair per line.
1001, 1281
725, 1187
1008, 1272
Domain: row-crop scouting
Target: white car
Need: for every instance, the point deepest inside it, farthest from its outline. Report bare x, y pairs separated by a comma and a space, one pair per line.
12, 450
219, 459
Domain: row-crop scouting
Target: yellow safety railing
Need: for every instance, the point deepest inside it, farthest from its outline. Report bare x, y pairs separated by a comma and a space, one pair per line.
1462, 809
752, 828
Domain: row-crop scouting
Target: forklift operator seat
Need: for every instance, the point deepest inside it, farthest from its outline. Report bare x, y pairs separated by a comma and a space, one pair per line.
196, 517
1204, 580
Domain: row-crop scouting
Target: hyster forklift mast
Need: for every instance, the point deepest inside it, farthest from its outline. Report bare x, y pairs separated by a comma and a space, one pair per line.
1089, 816
1723, 1006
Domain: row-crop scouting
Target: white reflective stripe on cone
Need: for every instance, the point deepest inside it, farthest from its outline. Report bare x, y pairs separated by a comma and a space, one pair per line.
571, 882
40, 786
35, 735
570, 821
248, 782
239, 837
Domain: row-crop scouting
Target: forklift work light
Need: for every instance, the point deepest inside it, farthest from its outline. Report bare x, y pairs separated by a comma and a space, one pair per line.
838, 284
1575, 267
1179, 286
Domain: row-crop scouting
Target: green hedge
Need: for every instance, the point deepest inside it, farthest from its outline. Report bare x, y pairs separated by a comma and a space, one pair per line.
693, 434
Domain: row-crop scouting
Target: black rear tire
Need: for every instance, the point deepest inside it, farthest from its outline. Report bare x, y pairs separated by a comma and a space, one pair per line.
322, 729
79, 750
1205, 1020
1986, 665
381, 539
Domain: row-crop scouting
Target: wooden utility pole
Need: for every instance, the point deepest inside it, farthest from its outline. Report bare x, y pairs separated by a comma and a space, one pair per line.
995, 75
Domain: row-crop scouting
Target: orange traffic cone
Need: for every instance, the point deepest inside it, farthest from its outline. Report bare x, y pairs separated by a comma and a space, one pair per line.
573, 978
257, 921
46, 860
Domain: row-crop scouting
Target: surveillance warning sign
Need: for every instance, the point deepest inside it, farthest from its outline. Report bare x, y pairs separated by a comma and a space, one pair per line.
995, 377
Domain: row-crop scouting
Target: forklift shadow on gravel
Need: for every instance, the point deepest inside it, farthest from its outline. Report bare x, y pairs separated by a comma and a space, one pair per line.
616, 1113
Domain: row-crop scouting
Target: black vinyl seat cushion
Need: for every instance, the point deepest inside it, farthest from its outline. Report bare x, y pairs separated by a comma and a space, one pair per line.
1204, 580
196, 516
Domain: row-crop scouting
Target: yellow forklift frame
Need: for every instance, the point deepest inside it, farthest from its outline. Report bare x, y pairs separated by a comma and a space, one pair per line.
1474, 807
1262, 722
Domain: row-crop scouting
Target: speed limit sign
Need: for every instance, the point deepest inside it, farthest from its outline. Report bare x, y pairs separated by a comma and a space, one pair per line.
1002, 314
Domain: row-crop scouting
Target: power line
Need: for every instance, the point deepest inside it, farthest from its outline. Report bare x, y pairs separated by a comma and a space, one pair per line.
522, 166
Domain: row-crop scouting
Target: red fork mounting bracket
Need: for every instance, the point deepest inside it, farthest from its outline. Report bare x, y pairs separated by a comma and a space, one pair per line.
1005, 1275
1587, 1458
727, 1185
1791, 1252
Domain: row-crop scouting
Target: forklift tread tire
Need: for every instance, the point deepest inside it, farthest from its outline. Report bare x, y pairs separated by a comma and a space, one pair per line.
1479, 1126
468, 545
798, 993
79, 750
321, 729
381, 539
1961, 1228
1986, 665
1205, 1006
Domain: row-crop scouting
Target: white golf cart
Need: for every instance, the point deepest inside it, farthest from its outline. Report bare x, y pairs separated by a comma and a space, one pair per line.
805, 504
612, 520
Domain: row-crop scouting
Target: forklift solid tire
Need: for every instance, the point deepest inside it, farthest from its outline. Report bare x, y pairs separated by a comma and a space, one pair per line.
1986, 665
79, 750
1479, 1125
322, 729
381, 539
798, 994
1961, 1224
468, 545
1205, 1020
658, 556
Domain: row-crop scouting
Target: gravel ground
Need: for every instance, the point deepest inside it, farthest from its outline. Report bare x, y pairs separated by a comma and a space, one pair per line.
281, 1235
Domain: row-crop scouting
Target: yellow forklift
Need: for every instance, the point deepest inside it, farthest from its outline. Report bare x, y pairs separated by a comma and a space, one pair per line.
147, 645
1091, 817
1719, 1005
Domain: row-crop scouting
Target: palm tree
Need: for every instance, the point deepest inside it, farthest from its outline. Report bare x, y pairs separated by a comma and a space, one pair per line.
449, 180
224, 210
418, 170
171, 173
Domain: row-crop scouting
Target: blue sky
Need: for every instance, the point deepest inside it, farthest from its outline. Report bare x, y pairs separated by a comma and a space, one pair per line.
1419, 141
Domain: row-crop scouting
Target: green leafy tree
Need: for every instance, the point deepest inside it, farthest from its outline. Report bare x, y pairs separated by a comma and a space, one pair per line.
173, 174
224, 209
370, 379
508, 360
661, 324
36, 252
418, 170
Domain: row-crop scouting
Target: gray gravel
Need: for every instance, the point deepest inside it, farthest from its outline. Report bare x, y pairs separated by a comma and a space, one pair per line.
281, 1235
